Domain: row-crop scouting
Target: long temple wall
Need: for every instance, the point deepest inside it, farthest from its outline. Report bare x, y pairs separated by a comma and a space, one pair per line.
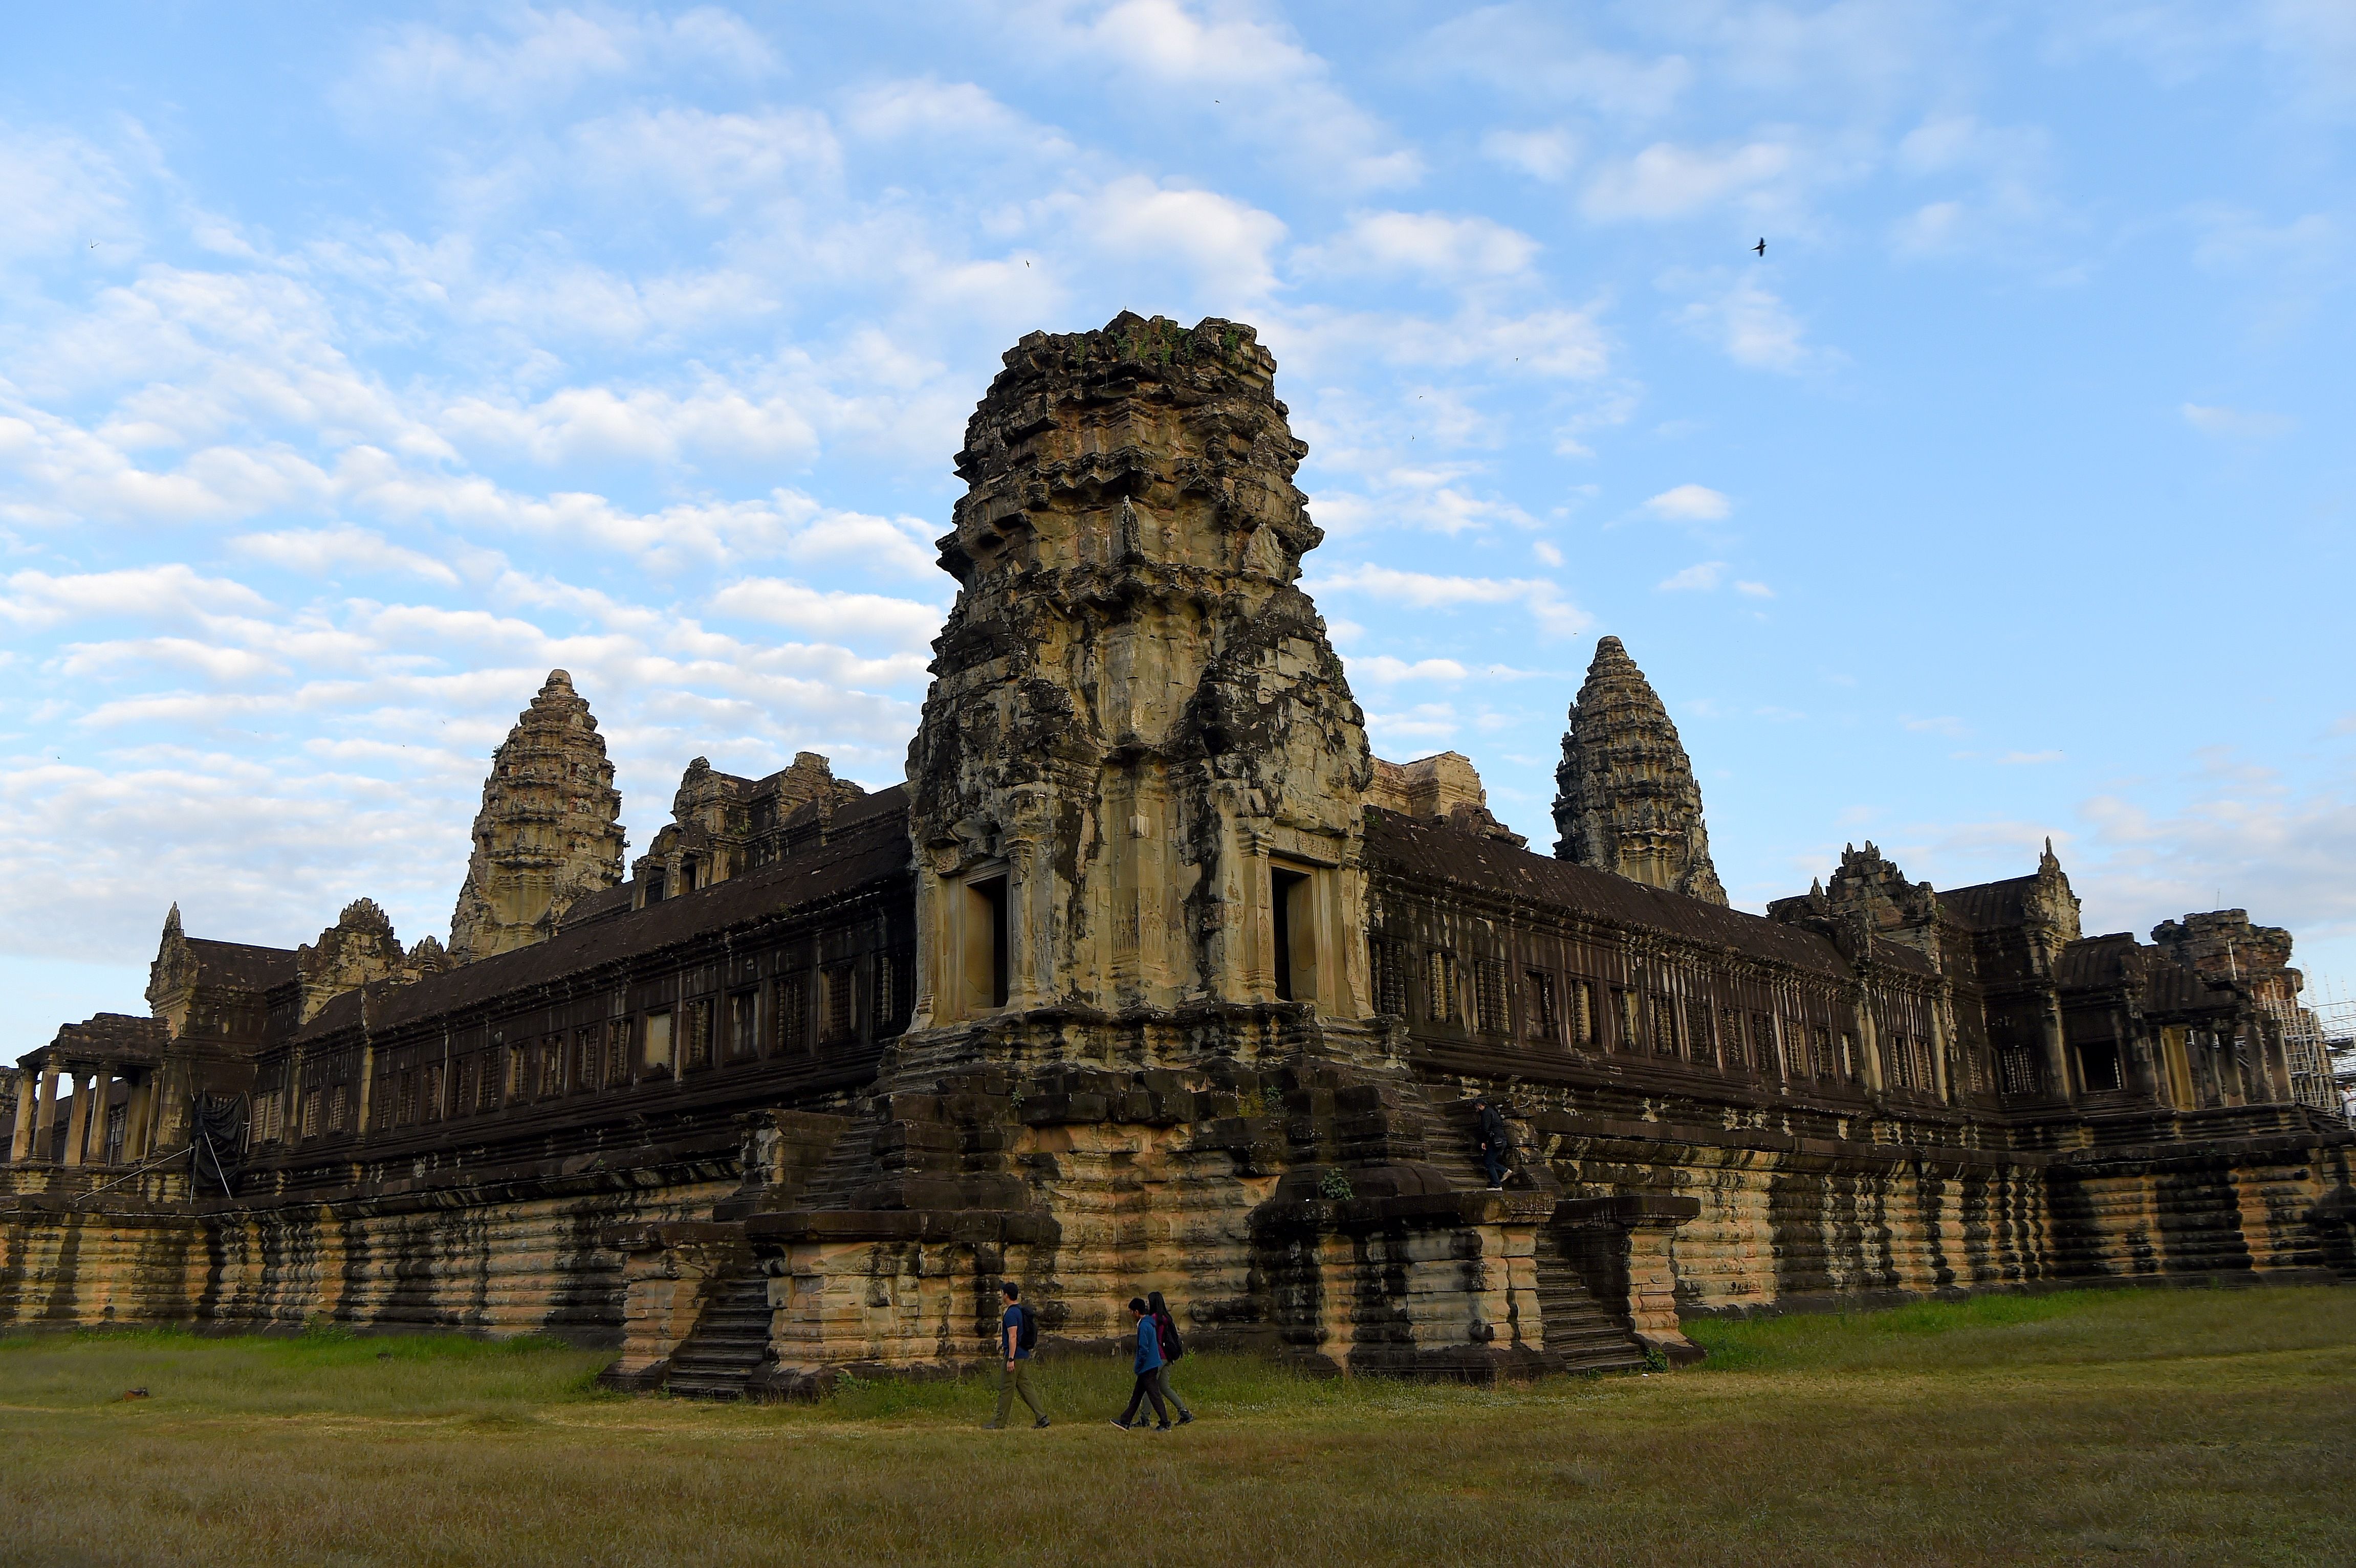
514, 1263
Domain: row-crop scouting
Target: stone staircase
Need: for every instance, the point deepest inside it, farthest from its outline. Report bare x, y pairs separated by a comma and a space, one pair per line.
729, 1341
1587, 1335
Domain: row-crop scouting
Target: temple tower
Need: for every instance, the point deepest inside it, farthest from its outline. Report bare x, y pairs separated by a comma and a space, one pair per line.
547, 832
1138, 784
1626, 800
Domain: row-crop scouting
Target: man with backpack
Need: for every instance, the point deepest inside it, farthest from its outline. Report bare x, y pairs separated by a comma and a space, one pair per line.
1497, 1142
1018, 1335
1148, 1364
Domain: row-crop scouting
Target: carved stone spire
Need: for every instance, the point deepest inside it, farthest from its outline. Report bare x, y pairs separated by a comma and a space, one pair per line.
1626, 800
1139, 764
547, 833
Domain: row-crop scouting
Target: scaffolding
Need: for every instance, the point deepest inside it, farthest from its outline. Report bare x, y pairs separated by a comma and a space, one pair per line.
2319, 1046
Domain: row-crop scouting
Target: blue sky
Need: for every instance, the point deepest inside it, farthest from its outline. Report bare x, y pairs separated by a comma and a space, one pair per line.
358, 369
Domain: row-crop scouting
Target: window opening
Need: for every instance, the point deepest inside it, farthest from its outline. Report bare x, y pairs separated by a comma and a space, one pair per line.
1544, 1024
987, 964
743, 1042
659, 1029
1288, 893
1489, 995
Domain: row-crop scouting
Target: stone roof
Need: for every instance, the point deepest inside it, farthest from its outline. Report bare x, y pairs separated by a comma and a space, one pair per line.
867, 843
1989, 906
240, 964
109, 1038
1470, 860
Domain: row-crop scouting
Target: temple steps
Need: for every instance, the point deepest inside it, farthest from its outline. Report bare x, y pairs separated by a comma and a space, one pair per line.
1587, 1335
730, 1340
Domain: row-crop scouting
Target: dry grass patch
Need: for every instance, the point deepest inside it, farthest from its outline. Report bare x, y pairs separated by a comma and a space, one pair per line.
2161, 1426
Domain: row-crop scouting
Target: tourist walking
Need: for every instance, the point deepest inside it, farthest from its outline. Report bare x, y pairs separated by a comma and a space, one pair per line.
1496, 1142
1018, 1336
1165, 1330
1148, 1363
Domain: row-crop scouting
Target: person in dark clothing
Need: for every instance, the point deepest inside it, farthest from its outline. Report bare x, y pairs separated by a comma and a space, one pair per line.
1148, 1363
1496, 1142
1016, 1335
1165, 1327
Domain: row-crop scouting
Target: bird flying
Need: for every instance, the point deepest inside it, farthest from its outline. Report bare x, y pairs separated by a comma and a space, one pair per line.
1761, 246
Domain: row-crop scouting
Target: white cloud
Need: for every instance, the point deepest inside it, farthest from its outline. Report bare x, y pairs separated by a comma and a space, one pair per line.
1244, 77
1752, 326
706, 162
1426, 590
62, 196
2243, 423
171, 592
1754, 590
1945, 724
1383, 667
1702, 577
831, 614
596, 424
1430, 244
1425, 723
1223, 242
1547, 155
1547, 554
1665, 181
1691, 504
540, 57
1536, 52
325, 552
2018, 759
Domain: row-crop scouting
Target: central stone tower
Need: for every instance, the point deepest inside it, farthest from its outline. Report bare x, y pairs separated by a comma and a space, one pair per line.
1626, 800
1138, 790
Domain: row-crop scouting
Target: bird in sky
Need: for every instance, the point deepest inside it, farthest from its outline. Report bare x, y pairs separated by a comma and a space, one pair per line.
1761, 246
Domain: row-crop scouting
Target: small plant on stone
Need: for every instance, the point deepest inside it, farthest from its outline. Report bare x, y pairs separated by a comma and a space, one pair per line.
1335, 1187
1655, 1359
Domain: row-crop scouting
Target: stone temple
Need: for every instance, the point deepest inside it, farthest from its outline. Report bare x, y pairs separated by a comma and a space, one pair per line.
1151, 975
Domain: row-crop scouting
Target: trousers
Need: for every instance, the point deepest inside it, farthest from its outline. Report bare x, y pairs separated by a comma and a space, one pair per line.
1148, 1386
1012, 1380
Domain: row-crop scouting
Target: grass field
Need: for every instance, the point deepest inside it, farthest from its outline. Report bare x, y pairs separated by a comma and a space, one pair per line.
2144, 1426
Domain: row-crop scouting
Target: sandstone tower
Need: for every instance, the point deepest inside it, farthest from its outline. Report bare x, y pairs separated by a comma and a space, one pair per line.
1626, 800
547, 832
1139, 780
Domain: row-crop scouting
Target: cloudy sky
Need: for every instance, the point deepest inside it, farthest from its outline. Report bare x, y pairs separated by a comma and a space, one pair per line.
355, 372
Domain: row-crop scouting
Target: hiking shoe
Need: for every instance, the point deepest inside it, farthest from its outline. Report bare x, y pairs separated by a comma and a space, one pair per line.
1038, 1423
1185, 1416
990, 1426
1164, 1427
1122, 1424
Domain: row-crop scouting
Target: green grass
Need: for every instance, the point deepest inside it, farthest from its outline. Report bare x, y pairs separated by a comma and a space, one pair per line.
2143, 1426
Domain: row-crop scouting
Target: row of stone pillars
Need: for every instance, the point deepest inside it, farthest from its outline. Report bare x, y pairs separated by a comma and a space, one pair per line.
86, 1139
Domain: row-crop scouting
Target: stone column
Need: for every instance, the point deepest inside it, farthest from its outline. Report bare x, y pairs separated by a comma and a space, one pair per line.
78, 1118
29, 1113
94, 1124
45, 1112
2064, 1084
134, 1119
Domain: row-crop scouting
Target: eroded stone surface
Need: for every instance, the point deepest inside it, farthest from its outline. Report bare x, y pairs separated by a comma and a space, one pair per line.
1626, 799
548, 832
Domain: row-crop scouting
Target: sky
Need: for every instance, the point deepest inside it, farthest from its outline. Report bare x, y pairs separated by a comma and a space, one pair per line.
358, 365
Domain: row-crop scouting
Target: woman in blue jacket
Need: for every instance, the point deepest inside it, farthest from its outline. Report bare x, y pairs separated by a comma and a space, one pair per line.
1147, 1369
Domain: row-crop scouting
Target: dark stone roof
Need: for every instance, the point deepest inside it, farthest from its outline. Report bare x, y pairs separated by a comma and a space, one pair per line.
2161, 984
867, 843
241, 965
1989, 906
1436, 853
108, 1037
603, 905
2092, 963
